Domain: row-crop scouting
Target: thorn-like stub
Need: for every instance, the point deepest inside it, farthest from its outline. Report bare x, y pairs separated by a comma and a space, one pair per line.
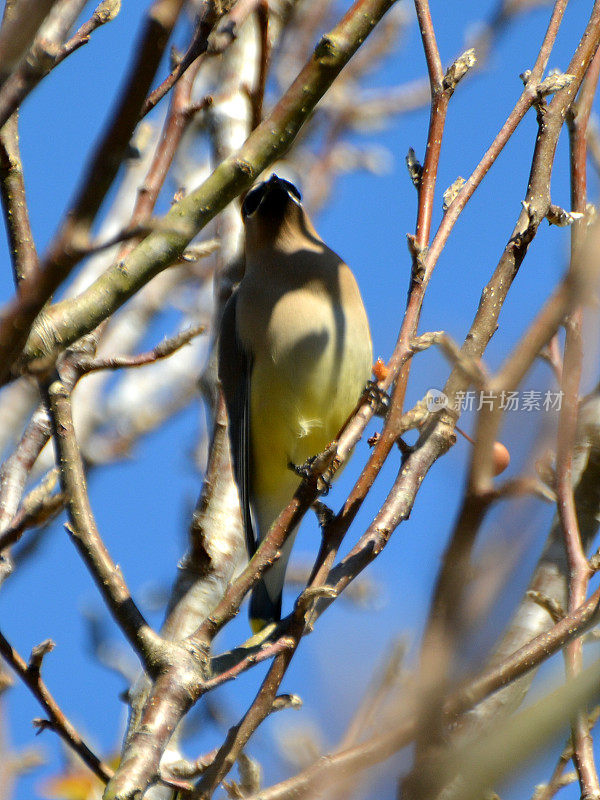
554, 83
457, 71
311, 594
107, 10
41, 725
326, 50
418, 255
452, 191
283, 701
561, 217
323, 512
525, 76
38, 653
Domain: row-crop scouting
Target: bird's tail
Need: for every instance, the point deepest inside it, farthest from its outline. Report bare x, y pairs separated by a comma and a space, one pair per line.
265, 600
263, 608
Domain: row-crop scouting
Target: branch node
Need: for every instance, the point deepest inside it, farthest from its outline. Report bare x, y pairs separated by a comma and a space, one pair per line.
457, 71
426, 340
451, 192
106, 11
309, 595
552, 606
41, 724
37, 655
525, 76
554, 83
283, 701
415, 168
418, 254
561, 217
327, 50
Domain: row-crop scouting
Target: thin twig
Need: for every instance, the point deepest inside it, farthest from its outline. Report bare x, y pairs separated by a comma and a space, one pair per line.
45, 56
16, 468
175, 124
558, 780
197, 48
57, 719
14, 202
188, 216
84, 532
444, 627
246, 659
20, 25
162, 350
579, 570
64, 251
335, 531
260, 708
257, 96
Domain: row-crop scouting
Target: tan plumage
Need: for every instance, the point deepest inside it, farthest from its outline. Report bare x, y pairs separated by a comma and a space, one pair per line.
294, 356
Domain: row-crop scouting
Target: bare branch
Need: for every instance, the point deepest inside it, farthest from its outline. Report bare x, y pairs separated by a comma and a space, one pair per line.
30, 675
63, 252
14, 202
84, 533
50, 49
162, 350
22, 20
193, 212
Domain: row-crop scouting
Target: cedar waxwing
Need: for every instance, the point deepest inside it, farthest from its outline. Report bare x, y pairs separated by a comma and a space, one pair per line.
294, 357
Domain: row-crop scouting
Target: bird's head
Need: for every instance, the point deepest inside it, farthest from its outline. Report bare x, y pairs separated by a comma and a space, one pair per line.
273, 211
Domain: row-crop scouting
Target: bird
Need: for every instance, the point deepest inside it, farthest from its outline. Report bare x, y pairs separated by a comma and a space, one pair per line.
294, 357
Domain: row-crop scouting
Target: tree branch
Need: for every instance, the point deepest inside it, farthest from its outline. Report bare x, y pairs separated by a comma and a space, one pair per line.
84, 532
21, 23
64, 252
67, 321
14, 203
30, 675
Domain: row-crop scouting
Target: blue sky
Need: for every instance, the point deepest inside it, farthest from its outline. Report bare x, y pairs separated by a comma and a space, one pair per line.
143, 504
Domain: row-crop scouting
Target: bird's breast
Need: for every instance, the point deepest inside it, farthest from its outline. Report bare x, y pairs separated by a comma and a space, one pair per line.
308, 372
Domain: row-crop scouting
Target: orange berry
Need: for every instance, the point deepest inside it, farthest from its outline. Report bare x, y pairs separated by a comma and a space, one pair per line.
501, 458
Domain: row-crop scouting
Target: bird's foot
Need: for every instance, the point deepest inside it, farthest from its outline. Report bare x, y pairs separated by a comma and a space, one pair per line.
375, 394
304, 471
319, 467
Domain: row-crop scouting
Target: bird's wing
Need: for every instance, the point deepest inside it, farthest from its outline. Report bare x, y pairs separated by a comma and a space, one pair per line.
235, 371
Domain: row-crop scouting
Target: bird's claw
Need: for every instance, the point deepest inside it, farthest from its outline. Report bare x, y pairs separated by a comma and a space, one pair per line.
303, 471
381, 399
307, 471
